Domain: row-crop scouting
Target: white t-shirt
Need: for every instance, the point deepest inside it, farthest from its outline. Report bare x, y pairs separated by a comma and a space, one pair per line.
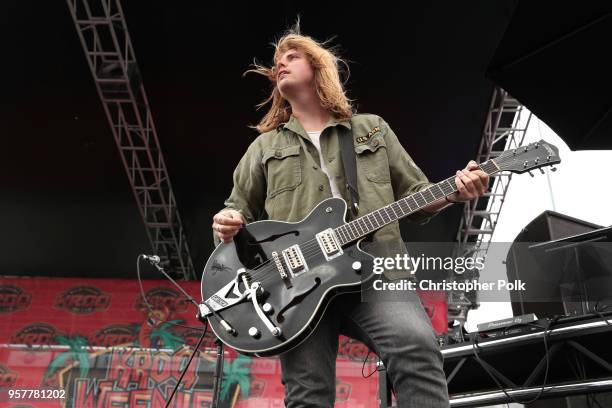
314, 136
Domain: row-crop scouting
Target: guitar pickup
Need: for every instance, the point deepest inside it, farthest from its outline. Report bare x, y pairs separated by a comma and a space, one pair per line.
295, 260
330, 246
281, 269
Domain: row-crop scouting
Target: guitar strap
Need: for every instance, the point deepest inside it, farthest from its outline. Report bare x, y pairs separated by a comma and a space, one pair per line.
349, 162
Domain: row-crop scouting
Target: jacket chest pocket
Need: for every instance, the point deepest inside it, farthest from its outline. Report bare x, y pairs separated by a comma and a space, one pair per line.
283, 168
372, 159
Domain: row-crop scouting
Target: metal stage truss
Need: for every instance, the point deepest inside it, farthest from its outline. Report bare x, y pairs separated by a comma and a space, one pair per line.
502, 131
103, 32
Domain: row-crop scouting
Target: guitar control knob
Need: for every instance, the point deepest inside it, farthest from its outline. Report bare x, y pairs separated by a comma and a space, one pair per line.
254, 332
267, 308
356, 266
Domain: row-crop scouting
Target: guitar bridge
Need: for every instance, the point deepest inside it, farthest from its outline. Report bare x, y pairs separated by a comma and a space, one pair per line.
295, 260
330, 246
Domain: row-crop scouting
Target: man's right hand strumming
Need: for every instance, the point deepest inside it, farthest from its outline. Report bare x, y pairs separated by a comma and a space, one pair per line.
227, 223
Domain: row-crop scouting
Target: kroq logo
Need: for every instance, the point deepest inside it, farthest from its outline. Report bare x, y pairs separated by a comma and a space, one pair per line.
83, 300
13, 298
159, 298
114, 335
35, 334
8, 378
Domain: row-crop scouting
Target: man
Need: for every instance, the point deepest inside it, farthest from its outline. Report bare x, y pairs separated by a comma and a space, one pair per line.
293, 165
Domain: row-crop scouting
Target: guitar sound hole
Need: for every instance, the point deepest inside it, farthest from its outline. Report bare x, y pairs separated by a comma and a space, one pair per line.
297, 300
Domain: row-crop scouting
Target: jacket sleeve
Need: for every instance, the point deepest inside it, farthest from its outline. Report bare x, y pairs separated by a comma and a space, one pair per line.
249, 191
406, 177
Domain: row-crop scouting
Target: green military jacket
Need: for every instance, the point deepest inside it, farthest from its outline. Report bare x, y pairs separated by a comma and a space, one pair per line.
280, 178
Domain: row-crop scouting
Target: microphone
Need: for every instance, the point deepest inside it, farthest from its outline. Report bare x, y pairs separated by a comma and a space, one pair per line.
154, 259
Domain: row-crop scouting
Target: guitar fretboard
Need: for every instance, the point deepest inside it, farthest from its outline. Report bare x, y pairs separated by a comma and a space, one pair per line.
403, 207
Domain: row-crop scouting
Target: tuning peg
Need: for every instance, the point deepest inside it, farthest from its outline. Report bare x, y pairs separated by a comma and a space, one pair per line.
552, 168
541, 171
530, 173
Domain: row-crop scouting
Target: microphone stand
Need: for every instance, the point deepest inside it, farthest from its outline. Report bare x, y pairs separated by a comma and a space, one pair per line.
218, 375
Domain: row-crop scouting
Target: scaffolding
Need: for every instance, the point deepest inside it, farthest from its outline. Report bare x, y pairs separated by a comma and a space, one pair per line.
504, 129
103, 33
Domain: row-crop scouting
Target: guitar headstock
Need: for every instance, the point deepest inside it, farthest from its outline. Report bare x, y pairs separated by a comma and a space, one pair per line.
525, 158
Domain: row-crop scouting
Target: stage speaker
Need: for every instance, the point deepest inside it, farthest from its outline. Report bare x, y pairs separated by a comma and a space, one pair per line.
549, 225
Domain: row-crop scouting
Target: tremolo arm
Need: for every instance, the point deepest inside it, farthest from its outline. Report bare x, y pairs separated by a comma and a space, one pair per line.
230, 295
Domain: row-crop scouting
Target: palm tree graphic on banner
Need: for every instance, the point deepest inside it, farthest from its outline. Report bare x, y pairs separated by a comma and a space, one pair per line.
77, 352
236, 375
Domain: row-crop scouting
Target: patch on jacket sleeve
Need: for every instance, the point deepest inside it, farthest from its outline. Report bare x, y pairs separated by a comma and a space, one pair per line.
363, 139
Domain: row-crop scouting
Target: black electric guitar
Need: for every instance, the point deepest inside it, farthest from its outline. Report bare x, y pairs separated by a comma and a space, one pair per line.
265, 292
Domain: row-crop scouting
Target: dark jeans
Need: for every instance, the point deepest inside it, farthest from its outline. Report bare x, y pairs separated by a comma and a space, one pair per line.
399, 332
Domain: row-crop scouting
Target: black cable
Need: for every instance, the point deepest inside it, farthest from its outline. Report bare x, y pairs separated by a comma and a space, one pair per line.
494, 378
182, 325
185, 294
160, 269
149, 306
195, 350
363, 366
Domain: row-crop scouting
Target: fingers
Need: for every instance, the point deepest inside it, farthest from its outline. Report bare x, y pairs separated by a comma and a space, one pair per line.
225, 229
225, 232
470, 184
484, 180
226, 224
472, 165
471, 181
478, 188
469, 189
226, 237
483, 183
228, 218
461, 188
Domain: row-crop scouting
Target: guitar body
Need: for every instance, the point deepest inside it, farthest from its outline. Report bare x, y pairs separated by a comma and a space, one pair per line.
297, 309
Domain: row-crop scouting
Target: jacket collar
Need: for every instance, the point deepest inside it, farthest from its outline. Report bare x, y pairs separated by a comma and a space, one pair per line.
295, 126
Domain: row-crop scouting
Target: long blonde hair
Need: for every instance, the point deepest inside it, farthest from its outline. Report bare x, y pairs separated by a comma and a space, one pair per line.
326, 65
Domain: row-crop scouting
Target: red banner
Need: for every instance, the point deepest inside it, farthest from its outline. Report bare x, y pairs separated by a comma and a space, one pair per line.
95, 343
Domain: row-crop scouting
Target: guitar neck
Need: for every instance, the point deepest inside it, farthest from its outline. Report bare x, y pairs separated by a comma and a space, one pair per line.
373, 221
